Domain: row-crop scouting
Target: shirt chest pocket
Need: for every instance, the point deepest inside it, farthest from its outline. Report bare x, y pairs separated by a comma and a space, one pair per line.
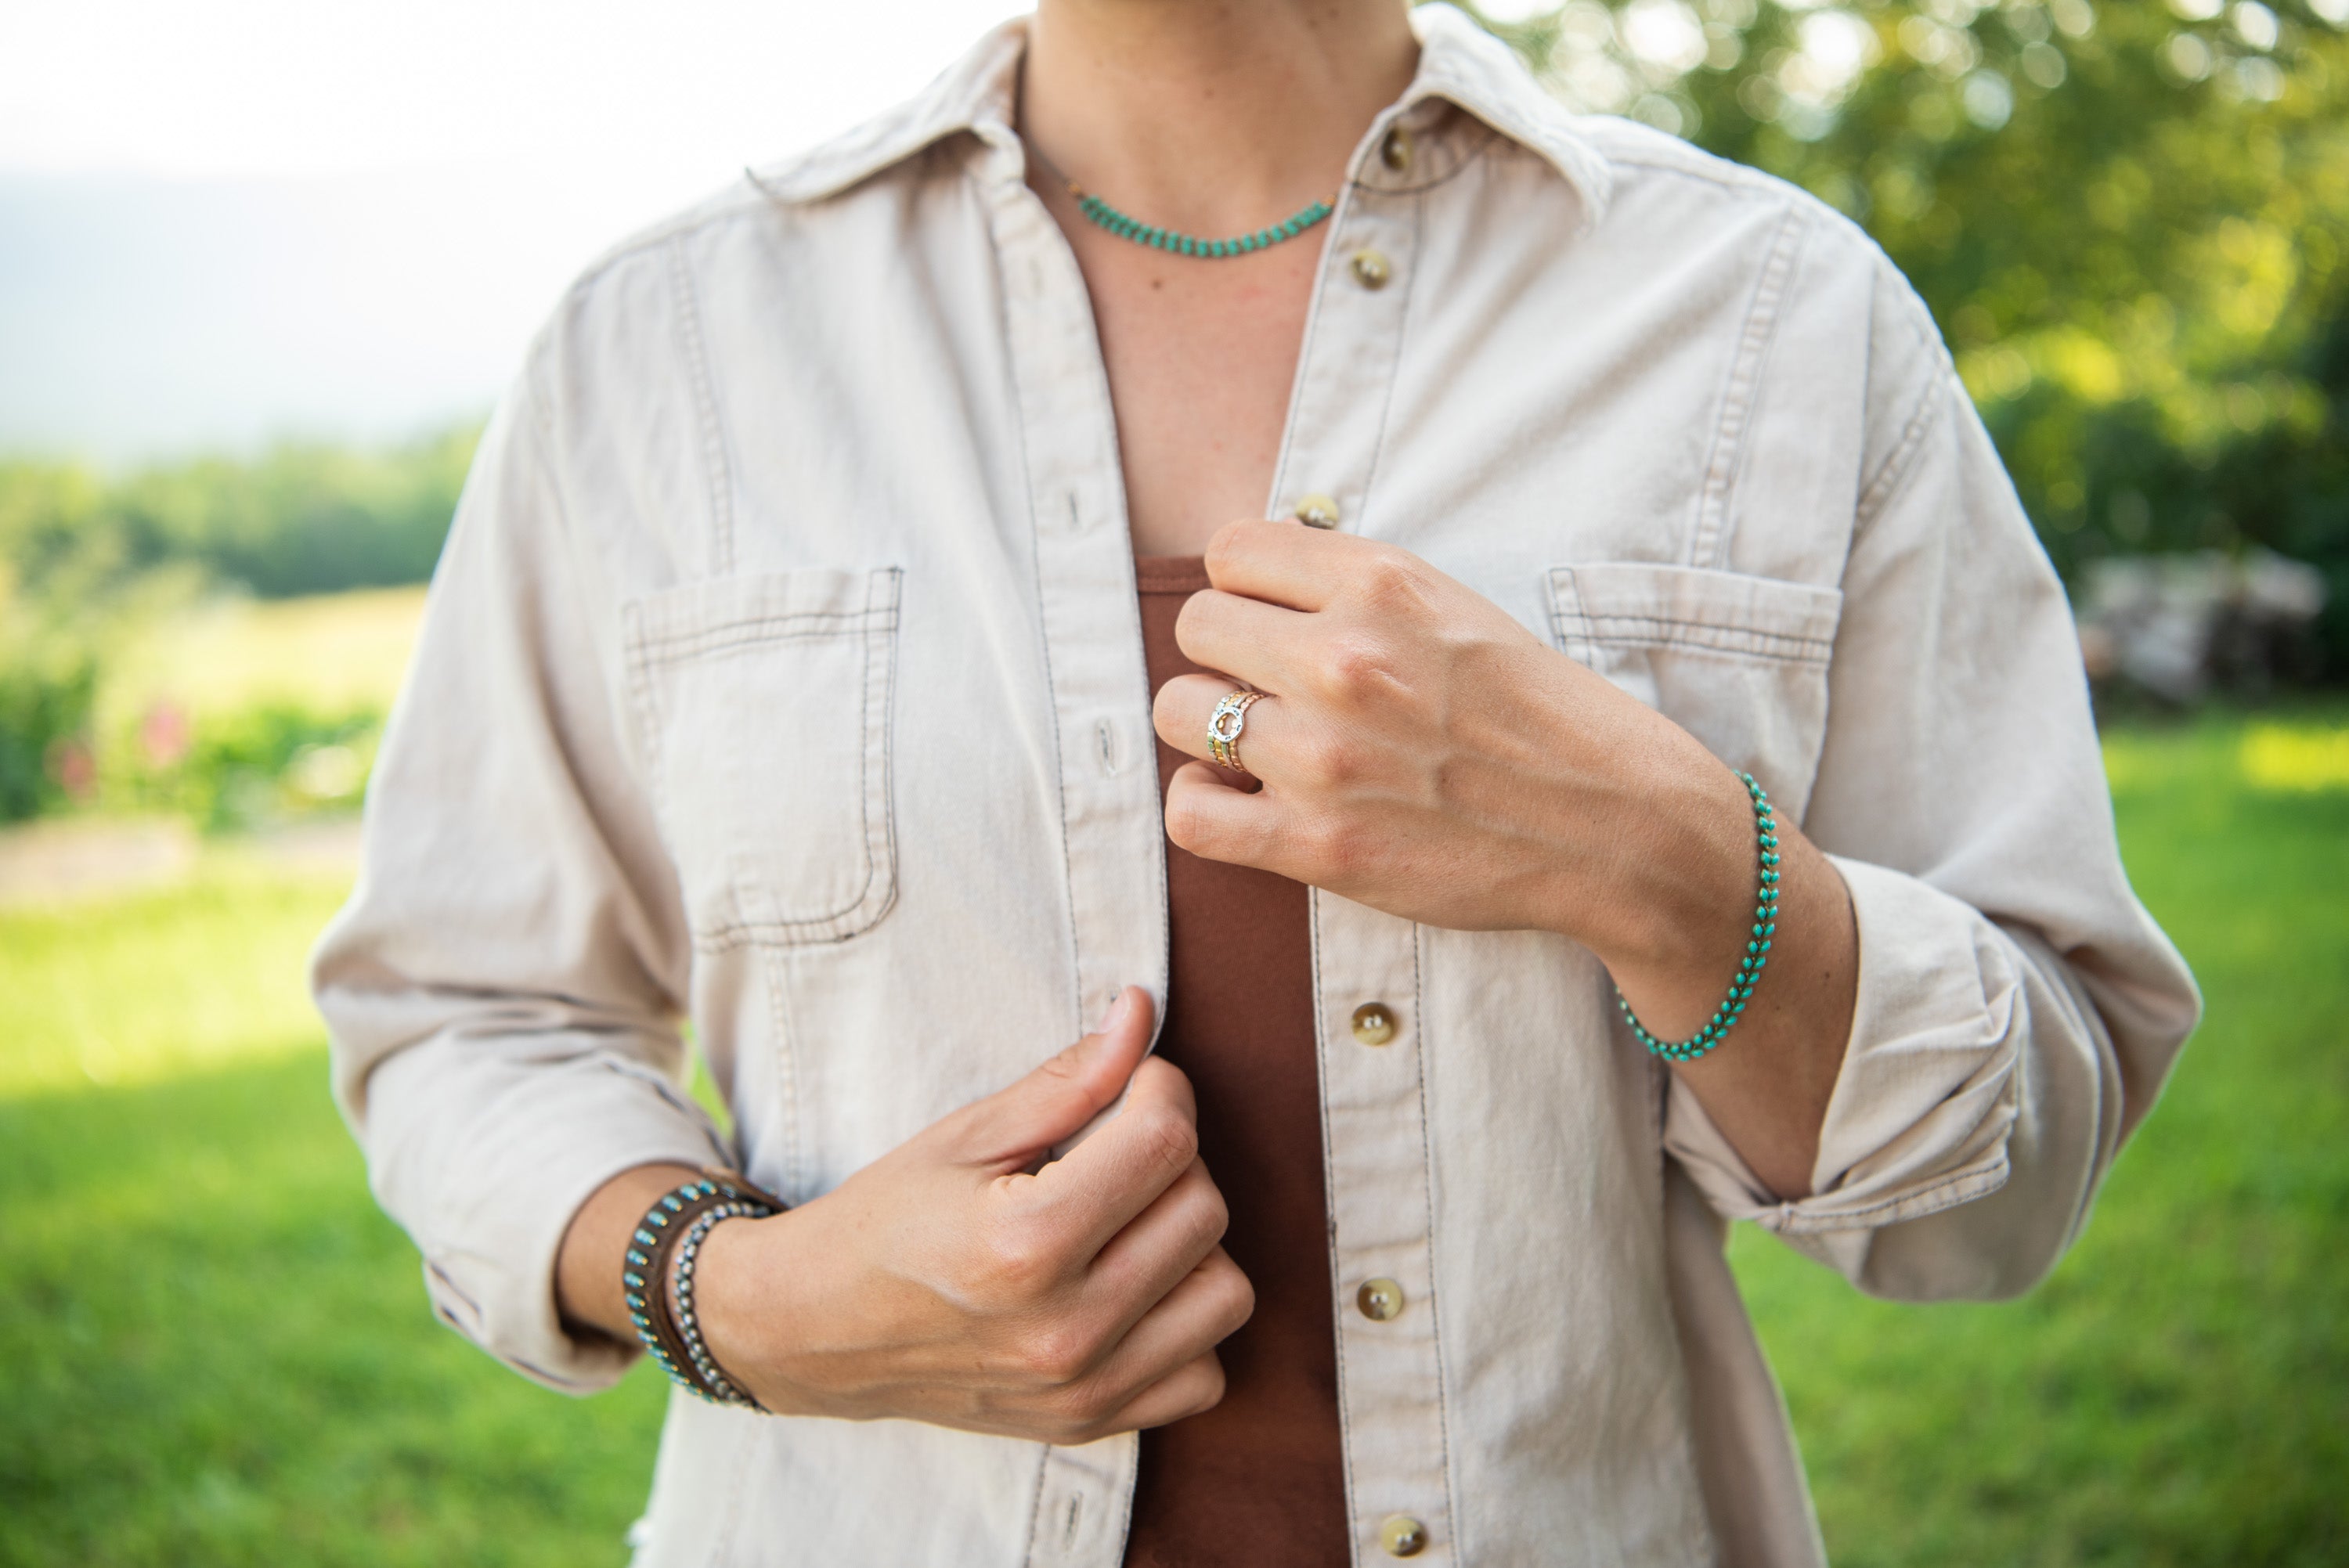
1738, 662
763, 704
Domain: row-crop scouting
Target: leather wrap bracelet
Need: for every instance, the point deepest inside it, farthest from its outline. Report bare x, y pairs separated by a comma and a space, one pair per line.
657, 1277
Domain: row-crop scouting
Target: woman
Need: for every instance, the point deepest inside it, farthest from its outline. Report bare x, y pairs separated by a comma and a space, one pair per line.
794, 667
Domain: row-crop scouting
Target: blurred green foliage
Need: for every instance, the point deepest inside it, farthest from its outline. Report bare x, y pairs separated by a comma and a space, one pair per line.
255, 767
45, 707
87, 562
2130, 218
298, 520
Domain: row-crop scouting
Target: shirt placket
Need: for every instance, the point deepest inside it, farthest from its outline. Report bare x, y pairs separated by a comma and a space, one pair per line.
1371, 1037
1100, 694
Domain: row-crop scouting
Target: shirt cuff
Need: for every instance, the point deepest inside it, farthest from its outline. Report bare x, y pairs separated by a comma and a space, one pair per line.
1928, 1093
490, 1226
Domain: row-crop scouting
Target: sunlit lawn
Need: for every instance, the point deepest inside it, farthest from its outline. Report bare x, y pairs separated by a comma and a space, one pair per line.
2179, 1392
214, 1350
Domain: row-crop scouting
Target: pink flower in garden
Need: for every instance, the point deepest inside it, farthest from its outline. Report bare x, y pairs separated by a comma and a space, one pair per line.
74, 768
164, 734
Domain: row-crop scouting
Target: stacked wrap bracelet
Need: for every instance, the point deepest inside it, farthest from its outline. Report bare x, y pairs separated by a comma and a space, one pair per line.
658, 1278
1757, 946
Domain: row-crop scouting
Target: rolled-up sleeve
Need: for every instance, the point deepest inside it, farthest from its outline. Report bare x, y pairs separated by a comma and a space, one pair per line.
501, 990
2017, 1009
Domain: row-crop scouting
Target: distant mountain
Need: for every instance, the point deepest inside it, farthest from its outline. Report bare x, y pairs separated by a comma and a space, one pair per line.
142, 317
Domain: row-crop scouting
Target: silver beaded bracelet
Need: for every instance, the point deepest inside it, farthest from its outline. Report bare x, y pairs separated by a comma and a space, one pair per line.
710, 1382
661, 1253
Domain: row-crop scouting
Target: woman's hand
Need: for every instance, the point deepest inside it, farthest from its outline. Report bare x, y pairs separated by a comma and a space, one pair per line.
944, 1284
1423, 753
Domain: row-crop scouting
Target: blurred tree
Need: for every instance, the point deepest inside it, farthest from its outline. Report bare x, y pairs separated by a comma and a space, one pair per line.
85, 562
45, 712
2131, 219
298, 520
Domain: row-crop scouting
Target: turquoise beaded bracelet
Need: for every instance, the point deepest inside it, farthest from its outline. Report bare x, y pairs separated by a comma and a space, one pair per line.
1758, 948
656, 1262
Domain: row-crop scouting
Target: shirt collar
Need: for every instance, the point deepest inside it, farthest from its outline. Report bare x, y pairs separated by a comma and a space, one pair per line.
1459, 62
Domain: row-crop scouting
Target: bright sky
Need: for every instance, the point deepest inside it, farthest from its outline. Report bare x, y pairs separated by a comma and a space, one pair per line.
225, 221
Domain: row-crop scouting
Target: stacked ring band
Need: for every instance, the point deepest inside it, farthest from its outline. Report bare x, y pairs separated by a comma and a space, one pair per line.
1225, 724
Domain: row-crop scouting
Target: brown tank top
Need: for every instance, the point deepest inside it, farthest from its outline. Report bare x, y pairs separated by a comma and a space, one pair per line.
1261, 1477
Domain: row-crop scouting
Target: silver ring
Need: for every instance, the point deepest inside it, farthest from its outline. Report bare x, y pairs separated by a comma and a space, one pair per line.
1227, 724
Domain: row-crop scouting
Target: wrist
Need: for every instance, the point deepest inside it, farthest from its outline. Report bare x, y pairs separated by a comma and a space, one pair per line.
659, 1275
756, 1294
1668, 905
725, 1297
1678, 1043
587, 1270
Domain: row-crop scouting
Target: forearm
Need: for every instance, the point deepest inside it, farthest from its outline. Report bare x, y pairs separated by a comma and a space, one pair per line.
587, 1288
1767, 1086
959, 1280
1673, 937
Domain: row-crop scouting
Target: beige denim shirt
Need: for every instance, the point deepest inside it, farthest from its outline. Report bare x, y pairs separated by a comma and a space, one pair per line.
784, 674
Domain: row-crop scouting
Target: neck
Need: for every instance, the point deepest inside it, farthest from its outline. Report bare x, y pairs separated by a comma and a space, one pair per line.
1210, 116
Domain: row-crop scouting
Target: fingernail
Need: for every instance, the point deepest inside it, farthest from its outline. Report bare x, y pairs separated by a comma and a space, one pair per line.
1117, 1012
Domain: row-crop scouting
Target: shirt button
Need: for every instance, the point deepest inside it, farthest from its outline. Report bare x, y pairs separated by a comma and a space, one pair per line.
1379, 1299
1370, 269
1374, 1025
1403, 1535
1316, 511
1395, 150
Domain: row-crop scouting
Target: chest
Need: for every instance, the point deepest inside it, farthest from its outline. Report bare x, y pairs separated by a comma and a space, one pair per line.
899, 741
1584, 429
1201, 357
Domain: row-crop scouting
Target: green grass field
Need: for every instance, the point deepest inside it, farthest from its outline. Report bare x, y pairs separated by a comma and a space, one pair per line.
2177, 1393
214, 1350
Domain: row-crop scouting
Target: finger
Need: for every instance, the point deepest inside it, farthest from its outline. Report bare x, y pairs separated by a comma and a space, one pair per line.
1283, 563
1096, 1190
1186, 704
1009, 1128
1203, 1310
1158, 1251
1208, 817
1195, 1386
1267, 646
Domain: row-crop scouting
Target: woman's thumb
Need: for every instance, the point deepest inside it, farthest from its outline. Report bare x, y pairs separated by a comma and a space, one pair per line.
1061, 1096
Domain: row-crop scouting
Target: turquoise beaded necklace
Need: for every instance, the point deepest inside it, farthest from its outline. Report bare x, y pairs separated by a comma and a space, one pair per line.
1126, 227
1158, 239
